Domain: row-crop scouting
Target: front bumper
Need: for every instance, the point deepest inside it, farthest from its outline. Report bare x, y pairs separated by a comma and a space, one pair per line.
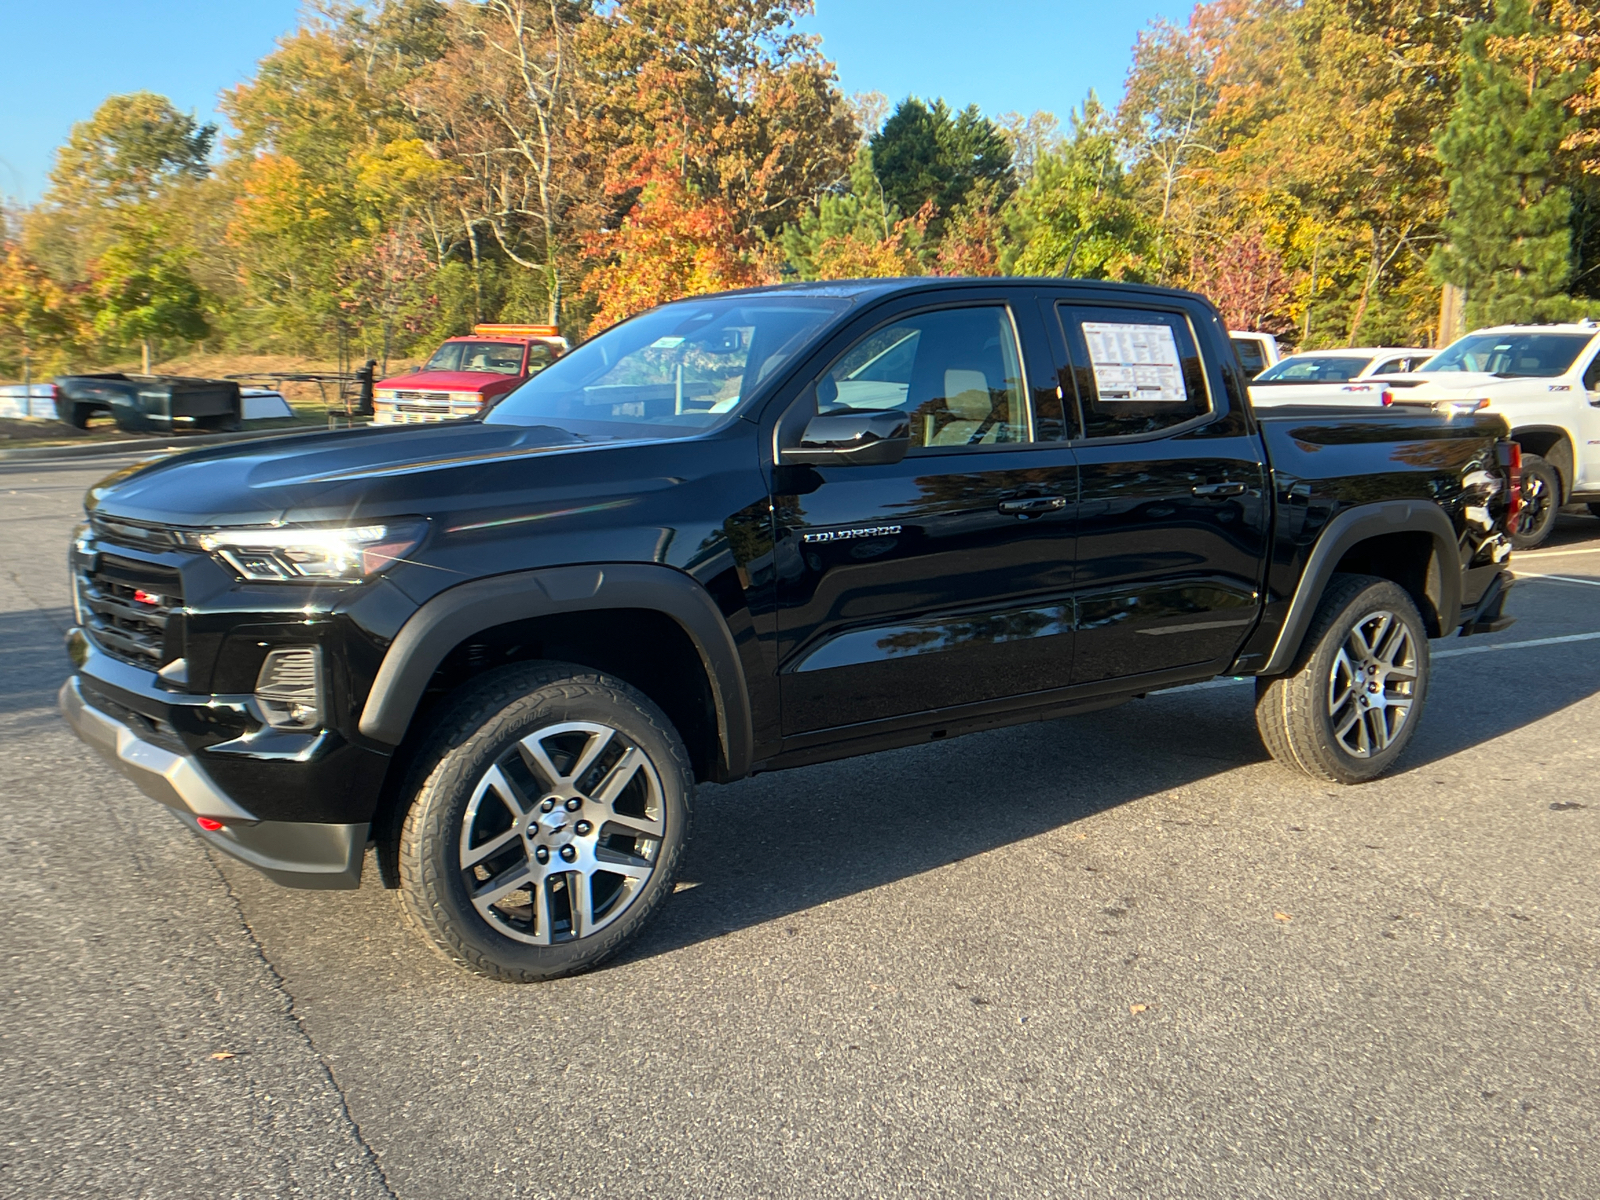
300, 854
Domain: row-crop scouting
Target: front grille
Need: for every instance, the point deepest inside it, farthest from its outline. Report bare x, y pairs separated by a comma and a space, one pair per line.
134, 533
429, 397
127, 606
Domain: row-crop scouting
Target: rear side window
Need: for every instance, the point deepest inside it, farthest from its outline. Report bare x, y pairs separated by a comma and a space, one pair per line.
1137, 370
1591, 377
1250, 356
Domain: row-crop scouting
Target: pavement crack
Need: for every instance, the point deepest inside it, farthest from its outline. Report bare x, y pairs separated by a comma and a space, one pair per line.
281, 985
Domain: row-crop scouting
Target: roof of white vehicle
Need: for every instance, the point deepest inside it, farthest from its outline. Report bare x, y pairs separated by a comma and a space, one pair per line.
1585, 327
1359, 352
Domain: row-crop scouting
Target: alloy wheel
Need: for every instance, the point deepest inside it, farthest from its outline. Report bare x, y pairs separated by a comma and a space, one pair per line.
1372, 685
562, 833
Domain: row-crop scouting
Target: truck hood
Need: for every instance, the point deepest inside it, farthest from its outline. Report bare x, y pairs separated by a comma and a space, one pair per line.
1453, 383
379, 471
445, 381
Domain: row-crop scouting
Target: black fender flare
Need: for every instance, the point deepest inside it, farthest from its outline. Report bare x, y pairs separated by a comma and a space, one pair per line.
1346, 530
459, 612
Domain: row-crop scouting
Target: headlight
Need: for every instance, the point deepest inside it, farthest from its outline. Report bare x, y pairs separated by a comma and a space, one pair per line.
1460, 408
472, 398
287, 555
383, 394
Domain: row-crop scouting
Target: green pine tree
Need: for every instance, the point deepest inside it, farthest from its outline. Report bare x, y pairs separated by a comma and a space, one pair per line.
926, 152
1509, 232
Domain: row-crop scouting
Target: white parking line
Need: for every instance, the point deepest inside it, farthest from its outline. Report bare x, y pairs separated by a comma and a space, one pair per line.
1558, 578
1530, 644
1521, 554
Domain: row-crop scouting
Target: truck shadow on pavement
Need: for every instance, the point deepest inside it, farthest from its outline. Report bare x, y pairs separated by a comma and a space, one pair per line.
777, 845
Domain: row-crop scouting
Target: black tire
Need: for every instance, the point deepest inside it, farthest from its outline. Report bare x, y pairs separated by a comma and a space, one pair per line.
78, 415
489, 727
1594, 508
1541, 498
1305, 716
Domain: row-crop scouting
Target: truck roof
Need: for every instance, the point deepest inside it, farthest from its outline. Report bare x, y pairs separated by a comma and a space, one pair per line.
1587, 326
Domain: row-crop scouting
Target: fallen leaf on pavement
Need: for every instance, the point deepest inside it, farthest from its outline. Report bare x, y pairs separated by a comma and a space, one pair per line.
1136, 1009
1282, 916
221, 1054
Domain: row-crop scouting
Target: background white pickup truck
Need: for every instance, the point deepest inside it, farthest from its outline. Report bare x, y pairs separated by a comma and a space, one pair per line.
1343, 377
1545, 381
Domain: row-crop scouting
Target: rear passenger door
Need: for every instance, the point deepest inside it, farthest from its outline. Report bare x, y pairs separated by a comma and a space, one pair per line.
1173, 508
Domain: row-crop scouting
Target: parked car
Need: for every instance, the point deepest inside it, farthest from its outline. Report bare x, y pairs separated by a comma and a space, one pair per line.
1545, 381
1345, 377
1256, 351
150, 403
745, 532
466, 375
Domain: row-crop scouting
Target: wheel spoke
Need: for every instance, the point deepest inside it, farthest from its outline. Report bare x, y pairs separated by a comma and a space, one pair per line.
619, 777
1379, 634
1395, 645
534, 749
580, 899
493, 846
592, 751
1343, 675
1357, 642
502, 885
509, 793
542, 918
1346, 723
637, 826
632, 867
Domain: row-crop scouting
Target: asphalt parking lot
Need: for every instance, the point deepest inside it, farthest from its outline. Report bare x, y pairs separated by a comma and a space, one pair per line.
1122, 955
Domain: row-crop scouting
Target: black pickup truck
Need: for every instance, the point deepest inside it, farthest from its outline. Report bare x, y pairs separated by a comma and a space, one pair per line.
746, 532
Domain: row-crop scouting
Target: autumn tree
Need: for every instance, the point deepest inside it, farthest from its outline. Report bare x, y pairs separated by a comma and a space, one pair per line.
38, 317
127, 156
1077, 216
144, 294
855, 233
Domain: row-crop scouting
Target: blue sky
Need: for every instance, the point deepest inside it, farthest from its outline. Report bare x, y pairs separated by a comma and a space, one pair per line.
62, 57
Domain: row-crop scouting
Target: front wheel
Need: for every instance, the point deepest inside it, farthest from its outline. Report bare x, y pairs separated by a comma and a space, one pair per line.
550, 826
1541, 497
1351, 706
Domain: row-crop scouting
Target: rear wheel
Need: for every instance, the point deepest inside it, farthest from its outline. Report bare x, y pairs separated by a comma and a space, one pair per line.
1351, 706
1541, 497
550, 826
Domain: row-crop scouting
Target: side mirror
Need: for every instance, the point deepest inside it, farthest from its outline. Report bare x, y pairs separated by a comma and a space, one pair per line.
853, 438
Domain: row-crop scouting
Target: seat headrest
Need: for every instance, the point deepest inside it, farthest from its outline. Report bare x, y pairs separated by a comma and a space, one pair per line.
966, 394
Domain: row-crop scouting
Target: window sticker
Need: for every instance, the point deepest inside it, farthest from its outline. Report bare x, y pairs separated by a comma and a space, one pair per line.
667, 343
1137, 363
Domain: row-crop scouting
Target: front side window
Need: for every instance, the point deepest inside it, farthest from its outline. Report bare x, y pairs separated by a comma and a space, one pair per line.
1511, 355
1138, 371
1314, 368
677, 370
492, 358
956, 373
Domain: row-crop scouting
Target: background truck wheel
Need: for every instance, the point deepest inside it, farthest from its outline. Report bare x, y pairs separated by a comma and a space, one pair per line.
77, 415
1350, 707
1541, 497
550, 823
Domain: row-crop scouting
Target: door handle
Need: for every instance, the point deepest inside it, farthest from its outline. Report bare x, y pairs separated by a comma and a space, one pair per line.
1213, 490
1028, 506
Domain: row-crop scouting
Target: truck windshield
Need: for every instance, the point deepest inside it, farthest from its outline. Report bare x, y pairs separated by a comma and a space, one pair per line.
1322, 368
495, 358
1537, 355
671, 372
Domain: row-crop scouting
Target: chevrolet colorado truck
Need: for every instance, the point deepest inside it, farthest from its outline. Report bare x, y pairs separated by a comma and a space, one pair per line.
745, 532
1545, 381
466, 375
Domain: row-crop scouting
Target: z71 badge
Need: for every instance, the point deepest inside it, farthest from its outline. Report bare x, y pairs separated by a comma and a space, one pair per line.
845, 535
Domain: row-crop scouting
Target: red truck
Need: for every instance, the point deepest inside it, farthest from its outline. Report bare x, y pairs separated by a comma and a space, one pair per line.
468, 374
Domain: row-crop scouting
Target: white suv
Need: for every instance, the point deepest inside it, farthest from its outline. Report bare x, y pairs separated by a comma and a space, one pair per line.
1545, 381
